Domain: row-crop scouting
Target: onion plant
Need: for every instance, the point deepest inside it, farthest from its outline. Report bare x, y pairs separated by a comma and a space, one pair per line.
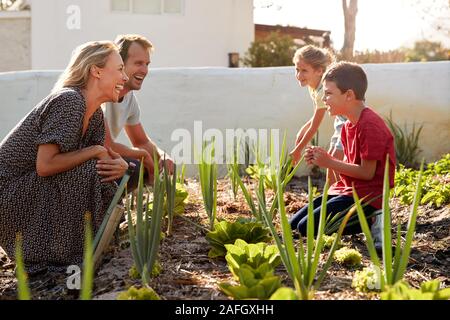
171, 188
88, 261
22, 278
394, 265
302, 265
145, 237
281, 169
233, 168
207, 168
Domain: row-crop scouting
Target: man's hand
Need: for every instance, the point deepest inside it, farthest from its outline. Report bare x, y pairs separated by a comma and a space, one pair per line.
318, 156
111, 168
168, 162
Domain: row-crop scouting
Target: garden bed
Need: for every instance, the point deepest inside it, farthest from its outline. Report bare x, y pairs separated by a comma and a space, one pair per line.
188, 273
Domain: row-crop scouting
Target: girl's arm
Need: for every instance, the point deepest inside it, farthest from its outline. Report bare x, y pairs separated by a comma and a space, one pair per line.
51, 161
311, 130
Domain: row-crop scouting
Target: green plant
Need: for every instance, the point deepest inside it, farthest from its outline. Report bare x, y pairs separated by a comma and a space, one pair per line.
406, 143
88, 261
171, 188
133, 273
281, 169
302, 265
367, 279
145, 293
394, 266
328, 240
145, 238
284, 293
348, 256
228, 232
429, 290
207, 169
253, 255
22, 278
233, 168
259, 284
180, 176
435, 186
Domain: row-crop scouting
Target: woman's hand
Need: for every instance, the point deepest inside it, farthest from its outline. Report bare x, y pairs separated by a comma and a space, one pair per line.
111, 166
168, 162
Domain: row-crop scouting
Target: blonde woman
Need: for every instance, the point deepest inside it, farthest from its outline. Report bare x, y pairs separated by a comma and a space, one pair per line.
53, 166
310, 65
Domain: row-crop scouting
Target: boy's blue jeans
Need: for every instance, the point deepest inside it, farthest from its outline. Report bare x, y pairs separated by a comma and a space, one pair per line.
335, 204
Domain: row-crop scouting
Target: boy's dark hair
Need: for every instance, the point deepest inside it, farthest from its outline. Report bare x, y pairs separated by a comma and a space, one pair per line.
348, 76
124, 42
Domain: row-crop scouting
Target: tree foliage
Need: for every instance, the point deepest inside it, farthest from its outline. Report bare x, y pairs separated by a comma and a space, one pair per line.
5, 4
427, 51
275, 50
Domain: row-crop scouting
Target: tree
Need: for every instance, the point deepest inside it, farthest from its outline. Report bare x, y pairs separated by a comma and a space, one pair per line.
275, 50
427, 51
350, 11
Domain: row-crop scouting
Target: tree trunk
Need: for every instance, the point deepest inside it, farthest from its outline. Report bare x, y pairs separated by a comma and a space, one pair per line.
350, 11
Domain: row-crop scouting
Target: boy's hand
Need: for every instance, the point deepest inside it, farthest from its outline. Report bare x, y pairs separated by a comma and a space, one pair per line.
318, 156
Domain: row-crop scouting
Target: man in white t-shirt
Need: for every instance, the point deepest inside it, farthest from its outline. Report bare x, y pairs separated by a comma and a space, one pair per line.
125, 114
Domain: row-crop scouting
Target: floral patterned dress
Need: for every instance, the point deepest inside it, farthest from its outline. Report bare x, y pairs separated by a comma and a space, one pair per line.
49, 212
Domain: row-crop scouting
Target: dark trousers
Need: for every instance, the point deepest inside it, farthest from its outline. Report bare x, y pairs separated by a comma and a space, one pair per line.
134, 178
335, 204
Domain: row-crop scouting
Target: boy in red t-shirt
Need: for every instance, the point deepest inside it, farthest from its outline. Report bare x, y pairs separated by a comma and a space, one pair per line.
366, 141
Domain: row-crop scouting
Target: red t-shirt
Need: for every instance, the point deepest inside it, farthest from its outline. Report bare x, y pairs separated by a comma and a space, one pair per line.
368, 139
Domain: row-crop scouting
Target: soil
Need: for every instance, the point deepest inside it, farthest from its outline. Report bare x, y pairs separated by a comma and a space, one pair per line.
188, 273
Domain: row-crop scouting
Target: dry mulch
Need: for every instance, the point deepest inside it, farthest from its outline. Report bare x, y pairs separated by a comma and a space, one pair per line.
188, 273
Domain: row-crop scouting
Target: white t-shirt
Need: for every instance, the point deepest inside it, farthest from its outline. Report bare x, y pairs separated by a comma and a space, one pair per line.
122, 113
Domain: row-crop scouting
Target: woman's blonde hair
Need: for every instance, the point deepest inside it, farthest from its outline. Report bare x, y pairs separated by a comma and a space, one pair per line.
318, 58
85, 56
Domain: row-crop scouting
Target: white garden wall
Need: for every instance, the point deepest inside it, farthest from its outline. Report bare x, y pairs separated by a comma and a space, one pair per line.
257, 98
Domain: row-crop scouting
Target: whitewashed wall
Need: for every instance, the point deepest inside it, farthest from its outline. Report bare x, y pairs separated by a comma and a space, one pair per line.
257, 98
202, 35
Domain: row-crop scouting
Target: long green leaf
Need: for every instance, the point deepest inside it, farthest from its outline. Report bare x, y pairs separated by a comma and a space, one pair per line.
387, 240
22, 278
411, 228
88, 262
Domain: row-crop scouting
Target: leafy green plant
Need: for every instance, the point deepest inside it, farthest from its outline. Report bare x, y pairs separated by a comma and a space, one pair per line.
207, 169
253, 255
348, 257
22, 278
145, 237
367, 279
180, 176
302, 265
156, 271
284, 293
429, 290
328, 240
406, 143
394, 266
435, 186
228, 232
145, 293
254, 284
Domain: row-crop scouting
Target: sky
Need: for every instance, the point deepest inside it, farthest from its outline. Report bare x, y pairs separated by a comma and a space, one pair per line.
380, 24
